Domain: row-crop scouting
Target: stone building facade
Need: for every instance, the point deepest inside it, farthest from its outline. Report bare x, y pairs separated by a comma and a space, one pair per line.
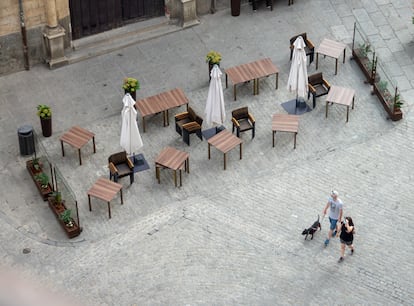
35, 31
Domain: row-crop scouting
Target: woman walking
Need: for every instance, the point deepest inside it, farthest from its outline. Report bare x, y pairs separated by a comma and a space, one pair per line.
346, 236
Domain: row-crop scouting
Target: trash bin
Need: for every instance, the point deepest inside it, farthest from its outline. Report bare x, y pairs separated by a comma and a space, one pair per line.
235, 7
26, 140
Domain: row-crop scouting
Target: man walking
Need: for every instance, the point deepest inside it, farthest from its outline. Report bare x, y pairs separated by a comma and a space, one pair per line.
335, 213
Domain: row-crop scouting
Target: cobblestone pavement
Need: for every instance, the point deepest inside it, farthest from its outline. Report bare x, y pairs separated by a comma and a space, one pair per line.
224, 237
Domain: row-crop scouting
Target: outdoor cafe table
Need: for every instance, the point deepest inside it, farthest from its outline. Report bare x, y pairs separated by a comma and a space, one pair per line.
174, 159
161, 102
251, 71
77, 137
105, 190
285, 123
340, 95
331, 48
224, 141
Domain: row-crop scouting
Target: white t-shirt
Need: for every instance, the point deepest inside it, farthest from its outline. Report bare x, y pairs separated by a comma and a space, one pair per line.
334, 207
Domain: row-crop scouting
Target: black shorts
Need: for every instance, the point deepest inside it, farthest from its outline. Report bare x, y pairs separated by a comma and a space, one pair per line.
346, 242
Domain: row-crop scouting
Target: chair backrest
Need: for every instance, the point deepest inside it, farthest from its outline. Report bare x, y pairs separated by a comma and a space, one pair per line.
240, 113
191, 114
316, 78
304, 36
199, 120
118, 158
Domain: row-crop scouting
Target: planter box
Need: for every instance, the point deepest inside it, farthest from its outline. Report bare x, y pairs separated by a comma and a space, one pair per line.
44, 192
73, 231
362, 61
394, 115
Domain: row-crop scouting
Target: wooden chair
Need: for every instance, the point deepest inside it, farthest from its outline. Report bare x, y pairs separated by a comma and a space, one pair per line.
243, 121
318, 86
309, 47
187, 123
119, 166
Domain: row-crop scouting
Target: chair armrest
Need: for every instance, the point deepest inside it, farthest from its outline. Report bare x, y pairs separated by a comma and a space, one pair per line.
181, 116
311, 88
130, 163
235, 122
191, 126
112, 168
251, 118
326, 83
310, 44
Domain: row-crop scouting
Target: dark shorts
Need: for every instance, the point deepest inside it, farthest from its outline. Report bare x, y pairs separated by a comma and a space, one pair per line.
346, 242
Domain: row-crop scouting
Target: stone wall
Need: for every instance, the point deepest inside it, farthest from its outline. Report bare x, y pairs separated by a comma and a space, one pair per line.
11, 43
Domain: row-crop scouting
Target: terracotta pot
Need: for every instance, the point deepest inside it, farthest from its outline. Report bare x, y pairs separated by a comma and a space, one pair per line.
46, 127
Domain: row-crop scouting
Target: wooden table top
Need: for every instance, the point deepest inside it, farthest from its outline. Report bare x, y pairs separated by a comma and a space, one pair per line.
250, 71
224, 141
172, 158
161, 102
285, 123
77, 136
331, 48
104, 189
340, 95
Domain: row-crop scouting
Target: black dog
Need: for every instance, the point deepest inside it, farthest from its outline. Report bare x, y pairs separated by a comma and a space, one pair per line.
311, 230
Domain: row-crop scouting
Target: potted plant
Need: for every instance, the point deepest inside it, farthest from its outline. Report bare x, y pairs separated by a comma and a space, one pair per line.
212, 58
131, 86
66, 218
43, 179
45, 114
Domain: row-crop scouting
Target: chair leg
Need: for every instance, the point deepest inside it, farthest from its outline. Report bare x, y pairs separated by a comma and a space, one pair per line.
186, 137
238, 132
178, 129
314, 101
199, 134
131, 178
253, 132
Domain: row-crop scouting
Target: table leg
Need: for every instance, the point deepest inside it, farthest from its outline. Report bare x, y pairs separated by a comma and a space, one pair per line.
257, 86
80, 158
209, 151
188, 165
347, 113
143, 124
353, 102
181, 179
175, 178
294, 141
344, 56
226, 82
157, 173
241, 150
94, 147
234, 92
277, 80
89, 201
317, 60
122, 198
63, 150
109, 209
336, 66
273, 138
326, 110
224, 161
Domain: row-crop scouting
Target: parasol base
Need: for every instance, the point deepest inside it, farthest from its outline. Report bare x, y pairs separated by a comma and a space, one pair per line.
296, 107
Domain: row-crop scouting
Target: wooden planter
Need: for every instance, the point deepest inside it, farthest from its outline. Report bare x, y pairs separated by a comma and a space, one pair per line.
44, 192
394, 114
362, 63
73, 231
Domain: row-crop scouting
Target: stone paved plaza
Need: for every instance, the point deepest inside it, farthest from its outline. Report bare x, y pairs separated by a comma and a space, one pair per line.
228, 237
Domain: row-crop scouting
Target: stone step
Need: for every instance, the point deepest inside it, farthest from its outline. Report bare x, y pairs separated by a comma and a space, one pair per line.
119, 38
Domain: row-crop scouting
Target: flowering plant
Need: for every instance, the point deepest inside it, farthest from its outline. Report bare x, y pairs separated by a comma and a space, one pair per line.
130, 85
213, 57
44, 111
